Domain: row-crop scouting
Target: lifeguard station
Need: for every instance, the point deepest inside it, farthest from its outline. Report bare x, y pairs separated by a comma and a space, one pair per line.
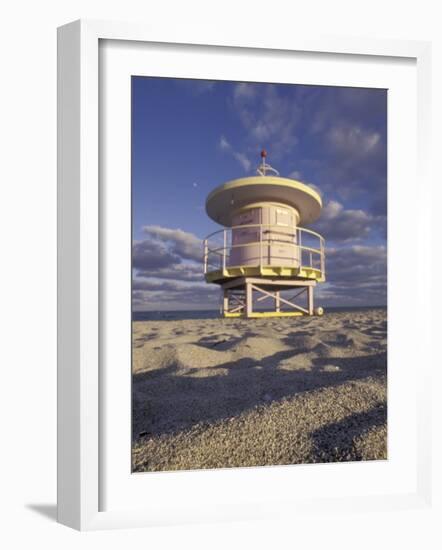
263, 249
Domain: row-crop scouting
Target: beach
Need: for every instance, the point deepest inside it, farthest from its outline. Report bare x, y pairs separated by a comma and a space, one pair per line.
221, 393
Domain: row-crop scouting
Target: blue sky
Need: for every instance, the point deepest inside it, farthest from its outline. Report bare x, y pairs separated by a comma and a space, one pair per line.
189, 136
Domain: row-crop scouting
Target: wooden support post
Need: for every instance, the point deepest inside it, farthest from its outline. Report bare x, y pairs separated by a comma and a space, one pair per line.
249, 299
310, 299
238, 295
283, 300
206, 250
225, 301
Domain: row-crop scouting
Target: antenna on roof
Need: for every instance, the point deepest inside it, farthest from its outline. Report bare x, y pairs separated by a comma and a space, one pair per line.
263, 168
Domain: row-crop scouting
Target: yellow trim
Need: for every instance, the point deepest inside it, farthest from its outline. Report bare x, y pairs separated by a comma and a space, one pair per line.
264, 271
265, 180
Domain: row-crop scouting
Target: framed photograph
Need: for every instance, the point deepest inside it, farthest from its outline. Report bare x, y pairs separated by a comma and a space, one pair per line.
242, 245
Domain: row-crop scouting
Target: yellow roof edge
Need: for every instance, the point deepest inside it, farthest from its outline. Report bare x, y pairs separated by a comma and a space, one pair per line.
276, 180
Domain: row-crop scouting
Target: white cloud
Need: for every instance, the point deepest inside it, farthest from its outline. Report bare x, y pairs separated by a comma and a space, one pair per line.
244, 90
339, 224
296, 175
181, 243
332, 210
356, 275
156, 285
353, 140
224, 144
178, 271
268, 117
243, 160
150, 295
168, 271
239, 157
148, 254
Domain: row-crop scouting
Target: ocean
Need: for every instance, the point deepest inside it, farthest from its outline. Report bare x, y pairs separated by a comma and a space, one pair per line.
214, 314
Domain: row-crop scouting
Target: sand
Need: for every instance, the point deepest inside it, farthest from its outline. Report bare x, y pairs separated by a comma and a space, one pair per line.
231, 393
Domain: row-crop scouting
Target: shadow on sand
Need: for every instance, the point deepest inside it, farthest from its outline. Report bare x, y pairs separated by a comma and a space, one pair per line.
171, 399
335, 442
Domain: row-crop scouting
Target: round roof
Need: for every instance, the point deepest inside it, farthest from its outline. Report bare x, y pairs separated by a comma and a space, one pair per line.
227, 198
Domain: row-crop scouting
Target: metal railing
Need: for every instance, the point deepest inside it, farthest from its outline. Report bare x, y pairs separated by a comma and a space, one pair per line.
307, 246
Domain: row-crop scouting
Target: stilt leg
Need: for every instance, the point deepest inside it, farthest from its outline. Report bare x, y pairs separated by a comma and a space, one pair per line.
277, 302
225, 302
238, 296
249, 300
310, 299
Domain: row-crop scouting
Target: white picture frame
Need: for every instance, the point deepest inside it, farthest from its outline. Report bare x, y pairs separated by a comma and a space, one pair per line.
79, 268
